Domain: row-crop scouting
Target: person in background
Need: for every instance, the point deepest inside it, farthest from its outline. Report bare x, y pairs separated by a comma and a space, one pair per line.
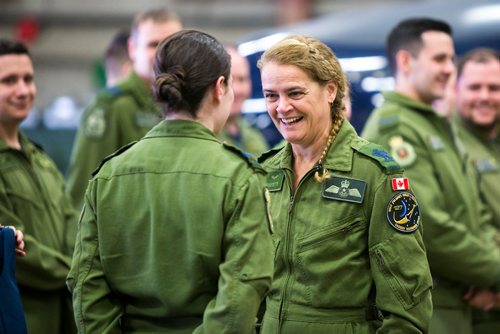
350, 256
237, 131
33, 199
117, 63
125, 112
458, 237
176, 245
478, 122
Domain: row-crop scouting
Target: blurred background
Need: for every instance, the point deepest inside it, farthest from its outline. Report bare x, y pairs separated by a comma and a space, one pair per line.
67, 39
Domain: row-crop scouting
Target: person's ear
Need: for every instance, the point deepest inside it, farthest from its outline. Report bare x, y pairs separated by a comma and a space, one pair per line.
403, 59
332, 91
220, 88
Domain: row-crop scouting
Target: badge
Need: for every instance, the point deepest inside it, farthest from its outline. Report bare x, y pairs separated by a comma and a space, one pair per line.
403, 213
400, 183
95, 124
267, 196
344, 189
402, 152
274, 180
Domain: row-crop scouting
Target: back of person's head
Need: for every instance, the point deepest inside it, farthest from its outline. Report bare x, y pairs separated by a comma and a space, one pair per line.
158, 15
314, 58
9, 47
478, 55
407, 35
116, 54
187, 64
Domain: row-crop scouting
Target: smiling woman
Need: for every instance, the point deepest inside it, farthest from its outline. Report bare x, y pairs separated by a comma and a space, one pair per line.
339, 222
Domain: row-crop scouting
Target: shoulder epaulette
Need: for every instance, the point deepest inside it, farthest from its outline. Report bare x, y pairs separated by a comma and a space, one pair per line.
116, 153
114, 91
38, 146
272, 152
378, 153
250, 159
388, 120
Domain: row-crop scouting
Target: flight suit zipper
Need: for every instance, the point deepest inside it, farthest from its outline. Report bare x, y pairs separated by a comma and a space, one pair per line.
288, 250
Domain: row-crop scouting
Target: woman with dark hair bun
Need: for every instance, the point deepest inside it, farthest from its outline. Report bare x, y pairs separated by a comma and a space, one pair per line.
174, 236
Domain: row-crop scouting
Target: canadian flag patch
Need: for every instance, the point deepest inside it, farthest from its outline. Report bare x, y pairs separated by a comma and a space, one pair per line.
400, 183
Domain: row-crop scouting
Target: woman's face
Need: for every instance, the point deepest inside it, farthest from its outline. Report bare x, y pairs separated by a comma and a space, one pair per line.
298, 105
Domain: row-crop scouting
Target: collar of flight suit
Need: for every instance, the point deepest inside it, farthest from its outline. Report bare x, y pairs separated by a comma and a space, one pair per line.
143, 95
181, 128
339, 155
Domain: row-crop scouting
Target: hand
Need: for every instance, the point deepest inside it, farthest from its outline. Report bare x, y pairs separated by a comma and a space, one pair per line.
483, 299
19, 241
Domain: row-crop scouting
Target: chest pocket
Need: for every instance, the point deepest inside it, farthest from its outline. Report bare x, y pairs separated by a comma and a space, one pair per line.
19, 187
332, 260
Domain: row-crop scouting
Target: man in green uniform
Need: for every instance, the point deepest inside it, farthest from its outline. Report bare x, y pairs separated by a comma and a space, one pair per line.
123, 113
477, 119
457, 235
237, 130
33, 199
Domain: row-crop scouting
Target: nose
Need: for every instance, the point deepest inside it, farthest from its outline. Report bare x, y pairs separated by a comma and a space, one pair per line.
283, 105
22, 88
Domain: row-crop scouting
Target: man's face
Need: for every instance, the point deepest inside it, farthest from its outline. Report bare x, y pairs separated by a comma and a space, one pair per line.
430, 70
478, 93
242, 86
17, 88
142, 47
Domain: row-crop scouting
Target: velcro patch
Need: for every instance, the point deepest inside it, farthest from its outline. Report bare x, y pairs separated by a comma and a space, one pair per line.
344, 189
274, 180
403, 213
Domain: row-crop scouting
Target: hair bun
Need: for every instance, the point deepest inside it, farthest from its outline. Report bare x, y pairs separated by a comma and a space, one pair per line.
168, 87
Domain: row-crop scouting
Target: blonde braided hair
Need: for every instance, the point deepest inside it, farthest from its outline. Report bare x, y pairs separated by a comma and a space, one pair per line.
321, 65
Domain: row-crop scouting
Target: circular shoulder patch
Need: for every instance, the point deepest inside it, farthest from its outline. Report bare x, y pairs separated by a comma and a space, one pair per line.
403, 213
95, 124
402, 152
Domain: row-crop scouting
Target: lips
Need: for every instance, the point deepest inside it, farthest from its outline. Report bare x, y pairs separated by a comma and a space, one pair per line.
291, 120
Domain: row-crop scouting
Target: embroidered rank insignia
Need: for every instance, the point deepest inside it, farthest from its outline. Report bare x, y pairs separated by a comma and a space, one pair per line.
274, 180
403, 213
267, 197
95, 124
402, 152
344, 189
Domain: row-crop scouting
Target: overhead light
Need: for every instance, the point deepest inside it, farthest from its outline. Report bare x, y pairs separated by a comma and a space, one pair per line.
482, 14
260, 44
359, 64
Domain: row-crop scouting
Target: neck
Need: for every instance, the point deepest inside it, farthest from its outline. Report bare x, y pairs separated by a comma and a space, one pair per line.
406, 88
10, 134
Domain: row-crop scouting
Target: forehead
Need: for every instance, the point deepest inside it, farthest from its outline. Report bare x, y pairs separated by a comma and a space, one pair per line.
15, 64
274, 74
150, 30
437, 42
487, 71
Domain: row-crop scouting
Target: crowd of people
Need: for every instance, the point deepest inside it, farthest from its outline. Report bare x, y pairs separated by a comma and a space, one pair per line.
177, 217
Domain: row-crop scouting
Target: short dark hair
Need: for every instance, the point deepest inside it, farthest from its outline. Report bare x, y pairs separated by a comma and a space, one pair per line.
407, 35
187, 64
117, 51
8, 46
478, 55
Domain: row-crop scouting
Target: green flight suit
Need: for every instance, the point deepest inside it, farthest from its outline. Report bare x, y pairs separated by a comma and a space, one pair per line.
117, 116
340, 267
33, 199
173, 238
485, 155
250, 139
458, 238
